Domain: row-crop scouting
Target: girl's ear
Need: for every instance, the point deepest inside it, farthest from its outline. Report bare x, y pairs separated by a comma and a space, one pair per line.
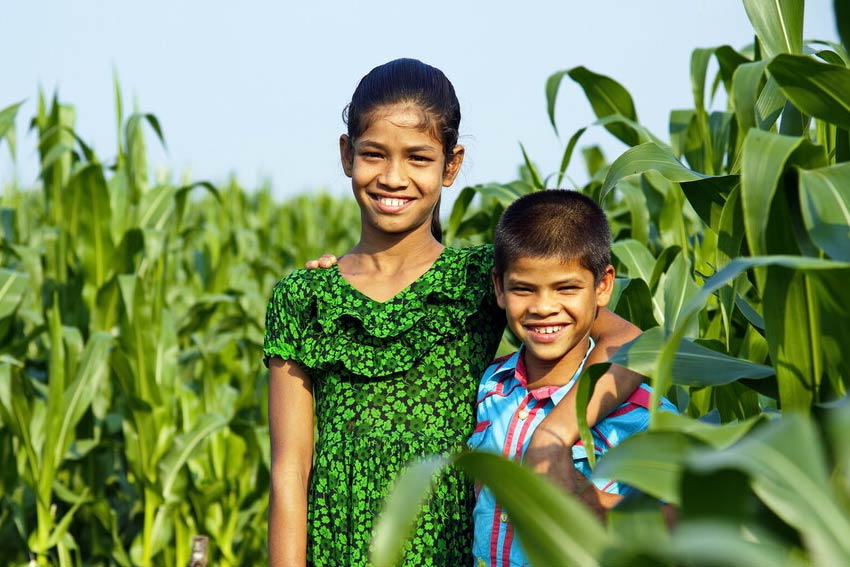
453, 165
346, 154
605, 287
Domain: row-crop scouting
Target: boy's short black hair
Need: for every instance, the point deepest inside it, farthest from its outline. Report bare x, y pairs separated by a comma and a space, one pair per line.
554, 223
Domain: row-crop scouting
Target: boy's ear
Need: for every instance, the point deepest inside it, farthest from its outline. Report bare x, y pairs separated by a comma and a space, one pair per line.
605, 287
453, 165
346, 154
499, 288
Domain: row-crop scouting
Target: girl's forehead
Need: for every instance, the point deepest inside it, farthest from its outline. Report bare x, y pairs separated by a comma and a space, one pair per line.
404, 115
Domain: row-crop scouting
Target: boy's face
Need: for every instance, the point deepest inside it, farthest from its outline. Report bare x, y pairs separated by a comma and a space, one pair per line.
550, 307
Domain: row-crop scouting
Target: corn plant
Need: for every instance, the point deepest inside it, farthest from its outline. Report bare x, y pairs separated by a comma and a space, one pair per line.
132, 394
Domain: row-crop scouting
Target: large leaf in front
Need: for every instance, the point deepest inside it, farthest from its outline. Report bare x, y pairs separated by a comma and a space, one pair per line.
787, 468
825, 206
693, 365
554, 528
818, 89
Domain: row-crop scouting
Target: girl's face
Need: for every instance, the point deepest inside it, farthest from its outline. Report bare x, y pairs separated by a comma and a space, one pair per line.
398, 169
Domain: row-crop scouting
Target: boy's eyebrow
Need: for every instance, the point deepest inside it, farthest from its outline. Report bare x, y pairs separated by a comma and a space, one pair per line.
571, 280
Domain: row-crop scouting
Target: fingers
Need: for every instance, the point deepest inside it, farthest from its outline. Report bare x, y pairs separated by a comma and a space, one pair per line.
325, 261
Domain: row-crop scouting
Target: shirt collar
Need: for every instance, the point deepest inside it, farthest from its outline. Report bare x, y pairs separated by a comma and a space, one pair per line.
515, 366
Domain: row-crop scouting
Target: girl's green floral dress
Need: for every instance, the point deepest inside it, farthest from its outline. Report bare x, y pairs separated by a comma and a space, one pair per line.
392, 381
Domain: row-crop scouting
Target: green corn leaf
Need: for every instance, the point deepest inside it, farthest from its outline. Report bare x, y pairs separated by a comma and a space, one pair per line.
91, 371
96, 223
708, 198
679, 128
747, 83
651, 461
636, 257
764, 160
649, 156
568, 154
778, 25
717, 436
7, 125
536, 181
608, 97
183, 447
632, 301
719, 542
842, 20
635, 200
562, 533
157, 207
787, 469
817, 89
769, 105
825, 206
728, 60
693, 365
679, 288
553, 84
14, 286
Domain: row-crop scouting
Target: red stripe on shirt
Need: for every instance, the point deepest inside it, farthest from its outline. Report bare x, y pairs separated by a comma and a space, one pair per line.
494, 535
509, 531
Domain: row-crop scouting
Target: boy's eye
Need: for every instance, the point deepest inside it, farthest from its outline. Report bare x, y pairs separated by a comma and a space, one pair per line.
370, 155
421, 159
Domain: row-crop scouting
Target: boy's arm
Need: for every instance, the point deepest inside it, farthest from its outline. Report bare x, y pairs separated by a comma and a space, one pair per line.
550, 449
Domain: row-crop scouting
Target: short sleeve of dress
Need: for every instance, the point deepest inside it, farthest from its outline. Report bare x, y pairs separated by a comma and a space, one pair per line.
284, 318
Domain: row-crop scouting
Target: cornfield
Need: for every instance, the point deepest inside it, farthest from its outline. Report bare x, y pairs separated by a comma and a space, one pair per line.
133, 397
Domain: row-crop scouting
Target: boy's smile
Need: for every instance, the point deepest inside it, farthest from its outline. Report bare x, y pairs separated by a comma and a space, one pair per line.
550, 306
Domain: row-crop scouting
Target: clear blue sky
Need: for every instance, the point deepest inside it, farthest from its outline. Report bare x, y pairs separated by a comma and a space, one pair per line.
256, 88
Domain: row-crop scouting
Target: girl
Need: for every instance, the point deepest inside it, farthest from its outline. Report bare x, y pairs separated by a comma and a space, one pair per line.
387, 346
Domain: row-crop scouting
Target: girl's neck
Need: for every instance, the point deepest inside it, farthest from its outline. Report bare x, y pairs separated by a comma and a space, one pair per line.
392, 253
381, 268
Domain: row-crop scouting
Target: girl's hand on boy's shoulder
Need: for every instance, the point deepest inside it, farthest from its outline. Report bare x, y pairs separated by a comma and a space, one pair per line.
325, 261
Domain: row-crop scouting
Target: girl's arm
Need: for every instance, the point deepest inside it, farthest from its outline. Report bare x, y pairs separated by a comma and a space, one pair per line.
549, 451
291, 433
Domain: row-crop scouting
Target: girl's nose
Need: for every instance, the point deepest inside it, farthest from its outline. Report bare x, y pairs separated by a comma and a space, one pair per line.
393, 175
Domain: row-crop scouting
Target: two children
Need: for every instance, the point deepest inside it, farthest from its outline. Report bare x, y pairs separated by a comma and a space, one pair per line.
552, 274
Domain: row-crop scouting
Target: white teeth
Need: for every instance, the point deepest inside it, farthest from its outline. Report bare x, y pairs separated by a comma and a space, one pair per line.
392, 202
548, 330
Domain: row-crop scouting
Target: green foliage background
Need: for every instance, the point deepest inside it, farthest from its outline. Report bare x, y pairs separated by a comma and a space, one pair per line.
132, 396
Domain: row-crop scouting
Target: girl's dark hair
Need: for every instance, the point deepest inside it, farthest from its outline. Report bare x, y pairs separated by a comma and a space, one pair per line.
553, 223
412, 81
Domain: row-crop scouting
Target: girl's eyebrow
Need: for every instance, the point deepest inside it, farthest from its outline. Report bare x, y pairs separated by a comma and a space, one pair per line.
411, 149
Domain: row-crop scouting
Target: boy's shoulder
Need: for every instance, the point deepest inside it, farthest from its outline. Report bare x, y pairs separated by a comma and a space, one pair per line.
632, 416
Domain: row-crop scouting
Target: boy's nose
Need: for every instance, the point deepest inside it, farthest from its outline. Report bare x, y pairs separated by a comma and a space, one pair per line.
544, 305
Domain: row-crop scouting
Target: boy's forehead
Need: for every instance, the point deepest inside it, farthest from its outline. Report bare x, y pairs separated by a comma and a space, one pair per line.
545, 267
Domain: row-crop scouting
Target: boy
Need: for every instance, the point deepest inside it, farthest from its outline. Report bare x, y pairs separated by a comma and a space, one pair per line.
552, 273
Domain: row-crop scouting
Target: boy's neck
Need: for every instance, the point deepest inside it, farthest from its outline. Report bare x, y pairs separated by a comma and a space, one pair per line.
540, 373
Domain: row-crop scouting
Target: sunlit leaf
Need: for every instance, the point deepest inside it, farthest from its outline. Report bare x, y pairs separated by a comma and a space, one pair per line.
778, 24
817, 89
